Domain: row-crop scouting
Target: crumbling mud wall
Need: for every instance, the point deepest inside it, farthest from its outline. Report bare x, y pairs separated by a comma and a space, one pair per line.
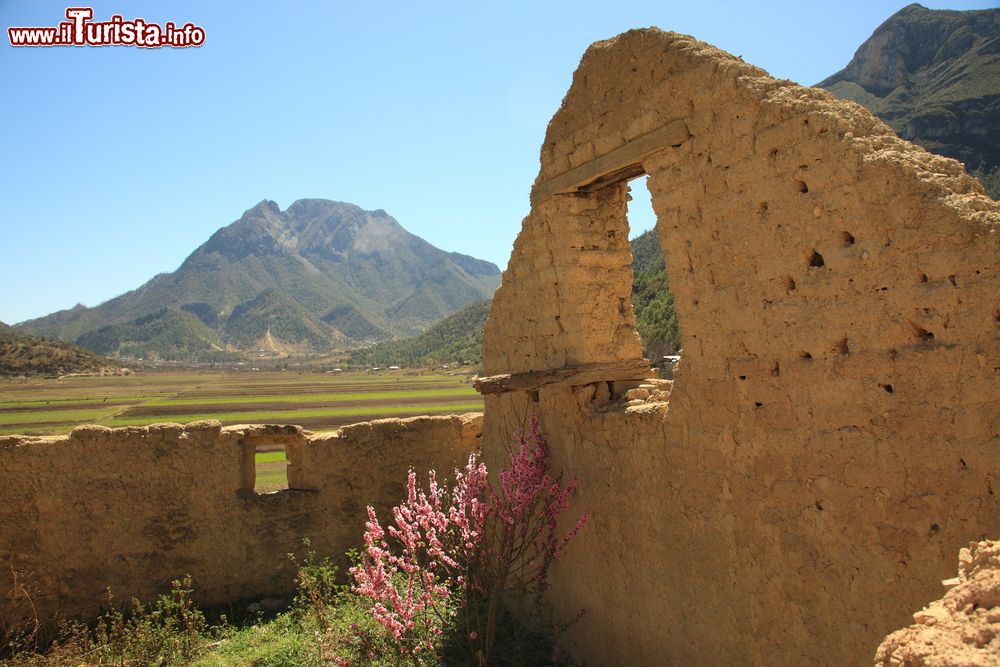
133, 508
832, 436
962, 628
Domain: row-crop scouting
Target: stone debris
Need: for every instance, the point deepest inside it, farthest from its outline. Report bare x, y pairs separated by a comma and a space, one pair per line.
650, 391
962, 629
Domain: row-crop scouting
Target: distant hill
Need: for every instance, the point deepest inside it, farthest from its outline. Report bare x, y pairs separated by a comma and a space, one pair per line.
456, 339
319, 275
23, 354
934, 77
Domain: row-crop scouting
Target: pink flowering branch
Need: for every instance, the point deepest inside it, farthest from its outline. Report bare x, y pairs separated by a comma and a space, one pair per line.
475, 544
524, 542
433, 536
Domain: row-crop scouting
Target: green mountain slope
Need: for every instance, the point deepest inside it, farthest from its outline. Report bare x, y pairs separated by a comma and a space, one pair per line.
320, 273
934, 77
166, 333
457, 338
270, 317
652, 301
23, 354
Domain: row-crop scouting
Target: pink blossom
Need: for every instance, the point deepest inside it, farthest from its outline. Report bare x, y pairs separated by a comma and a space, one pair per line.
481, 537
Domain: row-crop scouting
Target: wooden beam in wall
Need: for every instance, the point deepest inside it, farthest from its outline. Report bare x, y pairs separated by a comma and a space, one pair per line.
631, 369
619, 164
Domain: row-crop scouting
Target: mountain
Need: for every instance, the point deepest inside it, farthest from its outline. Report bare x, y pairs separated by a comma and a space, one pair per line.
318, 275
456, 339
934, 77
22, 354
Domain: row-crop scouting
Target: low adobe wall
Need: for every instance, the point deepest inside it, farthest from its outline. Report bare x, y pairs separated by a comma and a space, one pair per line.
133, 508
833, 431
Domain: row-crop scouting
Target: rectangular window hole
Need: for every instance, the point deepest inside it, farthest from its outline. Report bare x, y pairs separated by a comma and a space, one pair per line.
271, 468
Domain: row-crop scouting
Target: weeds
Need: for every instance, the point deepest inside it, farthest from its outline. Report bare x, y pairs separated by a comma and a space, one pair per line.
170, 631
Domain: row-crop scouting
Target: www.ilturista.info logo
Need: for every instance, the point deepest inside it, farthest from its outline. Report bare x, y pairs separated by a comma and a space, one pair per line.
79, 30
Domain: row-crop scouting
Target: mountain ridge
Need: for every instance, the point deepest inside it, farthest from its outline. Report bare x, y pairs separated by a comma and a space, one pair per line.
934, 77
319, 258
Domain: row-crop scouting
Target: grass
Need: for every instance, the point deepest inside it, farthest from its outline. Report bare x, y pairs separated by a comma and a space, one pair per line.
315, 400
269, 457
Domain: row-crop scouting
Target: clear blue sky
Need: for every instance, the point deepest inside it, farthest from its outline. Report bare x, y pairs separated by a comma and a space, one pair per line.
118, 161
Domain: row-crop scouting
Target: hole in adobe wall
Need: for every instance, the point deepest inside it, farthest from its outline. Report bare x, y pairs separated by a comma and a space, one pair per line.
801, 186
923, 335
887, 388
816, 260
951, 279
805, 355
652, 301
789, 284
847, 238
841, 347
271, 468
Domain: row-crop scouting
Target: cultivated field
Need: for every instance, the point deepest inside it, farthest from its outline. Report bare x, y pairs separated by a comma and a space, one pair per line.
316, 401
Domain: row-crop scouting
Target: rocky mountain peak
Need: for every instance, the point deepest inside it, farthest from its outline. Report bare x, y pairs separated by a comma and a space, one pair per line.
934, 77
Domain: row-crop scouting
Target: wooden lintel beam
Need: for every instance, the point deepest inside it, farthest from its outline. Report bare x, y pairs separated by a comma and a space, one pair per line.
631, 369
619, 164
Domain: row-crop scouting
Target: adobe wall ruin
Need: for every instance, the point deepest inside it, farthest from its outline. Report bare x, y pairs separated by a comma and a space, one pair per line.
833, 431
133, 508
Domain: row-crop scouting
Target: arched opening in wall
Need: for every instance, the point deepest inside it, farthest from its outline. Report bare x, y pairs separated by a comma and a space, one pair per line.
270, 468
652, 301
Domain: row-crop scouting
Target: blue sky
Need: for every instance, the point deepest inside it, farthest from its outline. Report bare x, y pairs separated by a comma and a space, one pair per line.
118, 161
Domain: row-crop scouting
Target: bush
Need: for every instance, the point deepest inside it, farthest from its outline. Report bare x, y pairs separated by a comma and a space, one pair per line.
439, 577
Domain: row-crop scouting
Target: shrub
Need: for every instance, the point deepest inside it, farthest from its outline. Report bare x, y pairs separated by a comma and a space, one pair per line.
454, 557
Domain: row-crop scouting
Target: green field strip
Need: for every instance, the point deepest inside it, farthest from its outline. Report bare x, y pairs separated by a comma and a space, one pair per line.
325, 397
269, 457
55, 395
57, 416
290, 416
248, 388
318, 377
68, 404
